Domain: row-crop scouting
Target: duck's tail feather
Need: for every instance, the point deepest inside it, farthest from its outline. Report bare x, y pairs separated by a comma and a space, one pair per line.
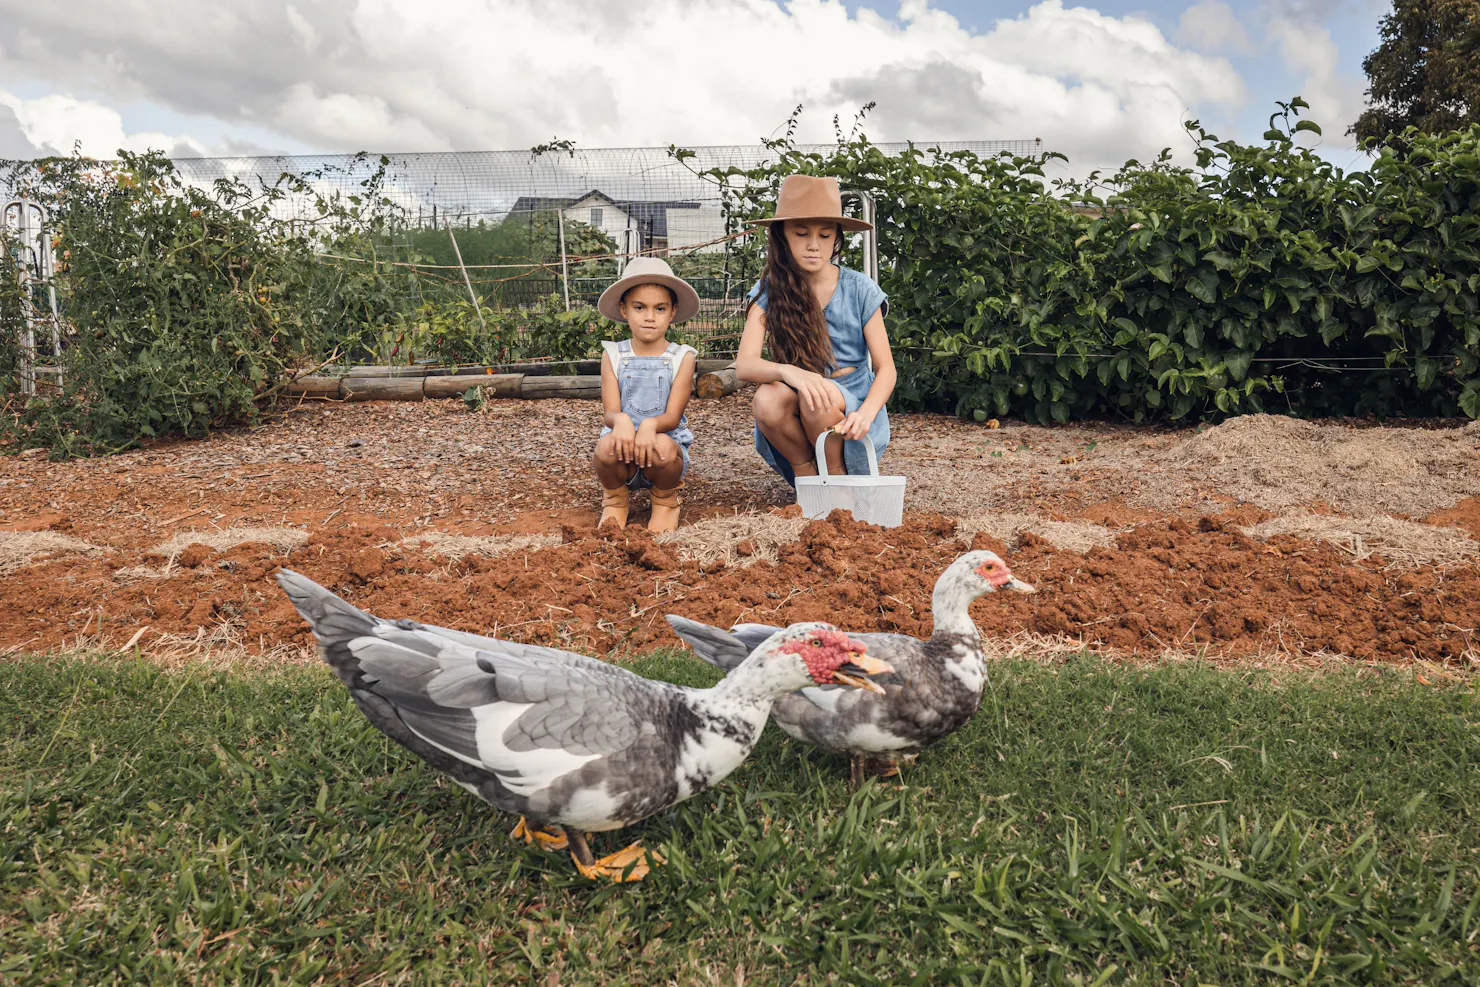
724, 649
335, 623
381, 686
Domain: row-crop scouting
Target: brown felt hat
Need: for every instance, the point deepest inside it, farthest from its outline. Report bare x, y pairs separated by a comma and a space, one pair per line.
649, 270
812, 199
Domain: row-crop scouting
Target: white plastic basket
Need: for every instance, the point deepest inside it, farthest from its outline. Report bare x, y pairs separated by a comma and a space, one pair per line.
872, 498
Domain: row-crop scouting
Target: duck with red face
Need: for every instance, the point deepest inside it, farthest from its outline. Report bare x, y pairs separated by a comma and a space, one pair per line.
935, 688
571, 744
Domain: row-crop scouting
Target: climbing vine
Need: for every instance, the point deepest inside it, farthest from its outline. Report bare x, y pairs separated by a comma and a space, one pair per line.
187, 307
1265, 278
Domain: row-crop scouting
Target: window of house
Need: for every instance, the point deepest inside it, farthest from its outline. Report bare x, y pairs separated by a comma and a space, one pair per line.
596, 217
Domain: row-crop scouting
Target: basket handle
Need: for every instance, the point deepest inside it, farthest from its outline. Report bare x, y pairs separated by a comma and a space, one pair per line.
868, 445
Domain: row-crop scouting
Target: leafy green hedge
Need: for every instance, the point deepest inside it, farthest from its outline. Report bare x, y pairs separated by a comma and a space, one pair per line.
452, 333
1266, 279
189, 306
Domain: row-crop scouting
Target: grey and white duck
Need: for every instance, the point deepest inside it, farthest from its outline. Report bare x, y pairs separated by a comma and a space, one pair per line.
571, 744
935, 688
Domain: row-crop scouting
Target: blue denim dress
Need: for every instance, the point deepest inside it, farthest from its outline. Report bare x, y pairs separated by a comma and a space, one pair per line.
853, 303
645, 383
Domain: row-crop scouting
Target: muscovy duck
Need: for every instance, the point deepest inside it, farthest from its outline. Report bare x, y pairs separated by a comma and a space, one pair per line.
935, 688
570, 743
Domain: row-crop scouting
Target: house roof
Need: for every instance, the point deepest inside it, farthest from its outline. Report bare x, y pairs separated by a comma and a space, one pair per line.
651, 215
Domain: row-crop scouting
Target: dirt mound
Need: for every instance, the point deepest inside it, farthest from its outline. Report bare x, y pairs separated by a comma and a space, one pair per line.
455, 547
1165, 585
1402, 543
743, 539
1073, 536
19, 548
217, 540
1282, 463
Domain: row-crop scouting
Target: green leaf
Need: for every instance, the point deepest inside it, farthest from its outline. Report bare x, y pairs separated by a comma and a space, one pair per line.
1238, 362
1307, 125
1425, 369
1203, 286
1469, 400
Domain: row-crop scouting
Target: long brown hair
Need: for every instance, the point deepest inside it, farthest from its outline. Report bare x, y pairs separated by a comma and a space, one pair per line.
795, 325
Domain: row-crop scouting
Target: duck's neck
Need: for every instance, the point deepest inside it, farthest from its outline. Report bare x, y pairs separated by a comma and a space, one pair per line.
951, 606
746, 692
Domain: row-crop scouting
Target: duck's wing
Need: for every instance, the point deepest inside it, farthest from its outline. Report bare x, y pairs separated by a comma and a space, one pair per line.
724, 649
923, 701
507, 720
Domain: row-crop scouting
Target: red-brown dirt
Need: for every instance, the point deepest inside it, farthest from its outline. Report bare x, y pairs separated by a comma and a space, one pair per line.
1465, 514
1167, 584
353, 482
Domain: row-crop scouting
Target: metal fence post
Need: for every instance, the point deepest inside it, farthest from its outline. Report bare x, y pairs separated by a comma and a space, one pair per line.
868, 212
564, 271
35, 265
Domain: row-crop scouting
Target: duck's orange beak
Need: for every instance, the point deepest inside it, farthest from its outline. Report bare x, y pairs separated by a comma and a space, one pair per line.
861, 665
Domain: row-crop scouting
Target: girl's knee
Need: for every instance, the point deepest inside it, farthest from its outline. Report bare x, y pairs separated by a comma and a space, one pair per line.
606, 450
816, 421
774, 403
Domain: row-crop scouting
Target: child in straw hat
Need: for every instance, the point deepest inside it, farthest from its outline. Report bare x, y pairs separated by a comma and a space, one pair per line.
645, 386
823, 323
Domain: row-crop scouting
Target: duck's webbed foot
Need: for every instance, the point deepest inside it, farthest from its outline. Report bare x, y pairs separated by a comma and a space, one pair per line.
545, 837
630, 864
863, 766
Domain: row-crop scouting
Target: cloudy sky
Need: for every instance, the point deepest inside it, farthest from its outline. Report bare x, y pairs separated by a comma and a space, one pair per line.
1102, 82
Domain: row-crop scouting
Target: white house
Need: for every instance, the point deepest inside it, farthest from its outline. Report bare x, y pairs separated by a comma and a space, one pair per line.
636, 224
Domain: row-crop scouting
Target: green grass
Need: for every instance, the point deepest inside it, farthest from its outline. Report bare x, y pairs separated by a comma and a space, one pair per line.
1094, 824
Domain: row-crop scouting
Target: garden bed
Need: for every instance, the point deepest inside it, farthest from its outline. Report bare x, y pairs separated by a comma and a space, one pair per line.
1262, 537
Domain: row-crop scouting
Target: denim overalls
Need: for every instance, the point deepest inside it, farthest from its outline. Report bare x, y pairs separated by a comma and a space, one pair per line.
645, 383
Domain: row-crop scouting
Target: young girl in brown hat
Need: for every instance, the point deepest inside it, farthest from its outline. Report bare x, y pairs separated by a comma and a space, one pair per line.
822, 323
645, 386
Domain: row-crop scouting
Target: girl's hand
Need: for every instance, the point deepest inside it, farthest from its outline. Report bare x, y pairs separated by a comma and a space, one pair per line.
856, 425
645, 449
813, 390
625, 436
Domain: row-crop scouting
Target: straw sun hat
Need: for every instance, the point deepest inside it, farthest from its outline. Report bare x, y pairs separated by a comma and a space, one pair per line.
806, 197
649, 270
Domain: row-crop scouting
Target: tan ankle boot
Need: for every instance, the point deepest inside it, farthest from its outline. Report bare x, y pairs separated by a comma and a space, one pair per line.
666, 507
614, 503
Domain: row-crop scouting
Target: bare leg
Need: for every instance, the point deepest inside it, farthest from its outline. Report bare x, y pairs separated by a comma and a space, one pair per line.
793, 430
814, 423
667, 477
613, 474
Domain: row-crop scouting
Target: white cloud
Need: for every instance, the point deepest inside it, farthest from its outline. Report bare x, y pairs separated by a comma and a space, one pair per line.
56, 124
494, 74
1336, 98
1212, 26
13, 140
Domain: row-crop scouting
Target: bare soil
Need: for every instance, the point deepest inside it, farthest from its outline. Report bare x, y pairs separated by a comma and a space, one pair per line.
1259, 537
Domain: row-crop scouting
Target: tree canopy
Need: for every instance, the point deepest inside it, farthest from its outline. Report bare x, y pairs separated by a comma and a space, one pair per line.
1426, 71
